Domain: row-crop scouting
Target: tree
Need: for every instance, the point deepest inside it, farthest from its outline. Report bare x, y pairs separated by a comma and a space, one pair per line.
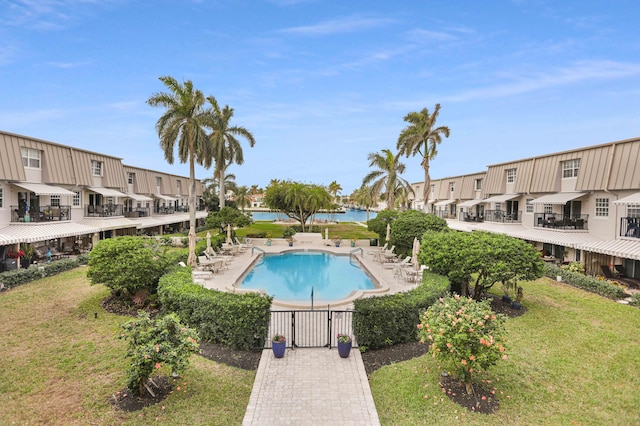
334, 188
411, 224
184, 123
489, 258
225, 148
227, 216
365, 197
387, 176
243, 197
297, 200
379, 223
421, 137
466, 335
127, 265
153, 342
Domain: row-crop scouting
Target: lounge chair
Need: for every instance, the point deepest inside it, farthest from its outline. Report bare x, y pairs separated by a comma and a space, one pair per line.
629, 282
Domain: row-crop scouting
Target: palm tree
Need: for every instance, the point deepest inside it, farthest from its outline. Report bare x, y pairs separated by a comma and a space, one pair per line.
387, 176
225, 148
365, 197
184, 122
229, 181
243, 197
422, 137
334, 188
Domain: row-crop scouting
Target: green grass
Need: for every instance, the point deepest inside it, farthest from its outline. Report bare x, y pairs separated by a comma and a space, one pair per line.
60, 364
574, 358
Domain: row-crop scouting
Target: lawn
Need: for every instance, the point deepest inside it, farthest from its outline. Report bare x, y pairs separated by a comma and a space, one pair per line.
574, 358
61, 364
343, 230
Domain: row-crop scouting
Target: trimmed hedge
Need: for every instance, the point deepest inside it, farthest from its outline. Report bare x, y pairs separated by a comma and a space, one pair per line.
17, 277
237, 320
585, 282
386, 320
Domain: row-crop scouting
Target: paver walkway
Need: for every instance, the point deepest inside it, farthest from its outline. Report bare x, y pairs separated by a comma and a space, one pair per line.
311, 386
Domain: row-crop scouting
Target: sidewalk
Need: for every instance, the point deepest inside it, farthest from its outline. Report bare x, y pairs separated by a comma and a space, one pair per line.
311, 386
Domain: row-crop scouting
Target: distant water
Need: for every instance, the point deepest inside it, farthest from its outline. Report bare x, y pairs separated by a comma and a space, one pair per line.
350, 215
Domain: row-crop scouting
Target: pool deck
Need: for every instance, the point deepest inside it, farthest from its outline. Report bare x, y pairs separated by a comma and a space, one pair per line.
239, 266
311, 386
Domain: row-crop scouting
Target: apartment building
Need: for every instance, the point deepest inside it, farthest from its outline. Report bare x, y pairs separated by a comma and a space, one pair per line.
578, 205
65, 199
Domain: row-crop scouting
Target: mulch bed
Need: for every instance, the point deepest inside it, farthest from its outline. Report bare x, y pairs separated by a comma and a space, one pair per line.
124, 400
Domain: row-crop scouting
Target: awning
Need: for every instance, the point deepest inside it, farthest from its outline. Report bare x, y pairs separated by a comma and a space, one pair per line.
139, 197
107, 192
558, 198
42, 189
29, 233
470, 203
164, 197
500, 198
631, 199
444, 203
620, 248
109, 224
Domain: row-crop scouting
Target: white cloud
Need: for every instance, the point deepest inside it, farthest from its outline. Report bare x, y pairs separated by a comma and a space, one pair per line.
338, 26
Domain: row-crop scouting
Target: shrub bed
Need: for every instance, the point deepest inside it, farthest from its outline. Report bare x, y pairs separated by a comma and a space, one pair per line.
237, 320
17, 277
386, 320
593, 285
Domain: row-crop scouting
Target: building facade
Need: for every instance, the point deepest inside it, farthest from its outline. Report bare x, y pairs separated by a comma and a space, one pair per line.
579, 205
65, 199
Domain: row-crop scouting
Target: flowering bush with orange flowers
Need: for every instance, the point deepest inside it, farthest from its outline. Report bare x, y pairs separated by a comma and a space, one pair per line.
153, 343
465, 335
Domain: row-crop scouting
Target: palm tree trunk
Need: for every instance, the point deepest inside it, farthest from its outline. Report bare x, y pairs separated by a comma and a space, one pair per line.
427, 183
221, 186
191, 260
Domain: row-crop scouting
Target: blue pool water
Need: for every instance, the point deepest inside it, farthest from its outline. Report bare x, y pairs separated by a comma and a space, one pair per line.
350, 215
291, 275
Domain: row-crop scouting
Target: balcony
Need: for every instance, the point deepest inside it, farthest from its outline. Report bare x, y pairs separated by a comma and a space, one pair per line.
106, 210
137, 212
470, 217
501, 216
630, 227
560, 221
41, 214
164, 210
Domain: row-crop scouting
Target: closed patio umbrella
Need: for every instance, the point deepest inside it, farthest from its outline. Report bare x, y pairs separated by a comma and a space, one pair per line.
414, 253
229, 234
209, 251
388, 233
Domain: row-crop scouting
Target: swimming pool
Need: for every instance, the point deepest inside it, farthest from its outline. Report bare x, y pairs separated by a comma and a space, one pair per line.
351, 215
291, 276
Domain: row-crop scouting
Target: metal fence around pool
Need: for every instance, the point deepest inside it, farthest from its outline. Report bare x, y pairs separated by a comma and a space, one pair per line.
311, 328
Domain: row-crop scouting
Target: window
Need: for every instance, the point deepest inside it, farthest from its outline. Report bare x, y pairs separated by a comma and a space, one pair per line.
1, 198
109, 200
570, 168
529, 205
179, 187
602, 207
55, 201
433, 189
498, 206
452, 186
478, 184
548, 208
511, 175
76, 199
30, 157
130, 178
158, 183
96, 168
633, 210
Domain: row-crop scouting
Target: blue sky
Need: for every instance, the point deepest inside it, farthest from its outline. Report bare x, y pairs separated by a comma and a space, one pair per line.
321, 84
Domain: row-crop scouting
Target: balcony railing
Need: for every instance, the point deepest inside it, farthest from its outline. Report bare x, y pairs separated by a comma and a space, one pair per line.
445, 214
164, 210
470, 217
560, 221
41, 214
630, 227
105, 210
502, 216
137, 212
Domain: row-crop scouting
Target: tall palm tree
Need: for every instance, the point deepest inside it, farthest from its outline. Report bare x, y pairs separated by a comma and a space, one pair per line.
422, 137
243, 197
387, 176
334, 188
365, 197
225, 148
229, 181
183, 122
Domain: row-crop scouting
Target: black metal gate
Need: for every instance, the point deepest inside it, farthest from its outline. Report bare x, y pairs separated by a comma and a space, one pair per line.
311, 328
